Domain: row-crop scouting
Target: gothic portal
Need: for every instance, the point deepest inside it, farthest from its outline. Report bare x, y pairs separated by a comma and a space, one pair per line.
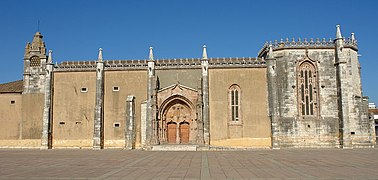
178, 120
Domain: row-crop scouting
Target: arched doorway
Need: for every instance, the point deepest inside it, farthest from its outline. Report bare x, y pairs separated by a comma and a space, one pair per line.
176, 123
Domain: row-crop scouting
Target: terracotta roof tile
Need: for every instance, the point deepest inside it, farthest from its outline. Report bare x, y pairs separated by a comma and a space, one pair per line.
12, 87
374, 111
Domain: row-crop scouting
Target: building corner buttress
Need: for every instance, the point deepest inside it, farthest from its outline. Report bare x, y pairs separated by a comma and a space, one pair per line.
151, 122
98, 136
355, 127
272, 97
47, 110
205, 96
343, 94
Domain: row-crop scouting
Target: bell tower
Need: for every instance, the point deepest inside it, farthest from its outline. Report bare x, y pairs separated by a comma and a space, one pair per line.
35, 65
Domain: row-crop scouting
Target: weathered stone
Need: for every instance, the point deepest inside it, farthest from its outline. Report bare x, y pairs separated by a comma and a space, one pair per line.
295, 94
98, 139
46, 124
130, 123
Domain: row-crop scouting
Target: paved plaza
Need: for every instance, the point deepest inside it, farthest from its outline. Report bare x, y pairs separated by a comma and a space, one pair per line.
137, 164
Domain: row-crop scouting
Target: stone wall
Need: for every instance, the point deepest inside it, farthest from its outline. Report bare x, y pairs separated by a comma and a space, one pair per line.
187, 77
73, 109
10, 116
128, 83
295, 130
254, 128
32, 112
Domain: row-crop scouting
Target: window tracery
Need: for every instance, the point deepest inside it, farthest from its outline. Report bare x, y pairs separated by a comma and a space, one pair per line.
307, 89
234, 103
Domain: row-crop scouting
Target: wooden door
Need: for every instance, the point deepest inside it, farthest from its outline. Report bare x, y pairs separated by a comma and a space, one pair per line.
184, 133
171, 133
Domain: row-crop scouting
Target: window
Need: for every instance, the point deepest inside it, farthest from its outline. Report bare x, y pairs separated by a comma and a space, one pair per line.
234, 103
84, 89
116, 125
13, 102
307, 89
115, 88
35, 61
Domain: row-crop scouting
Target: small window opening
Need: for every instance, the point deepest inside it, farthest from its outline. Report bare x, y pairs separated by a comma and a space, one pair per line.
352, 133
62, 122
13, 102
116, 125
115, 88
77, 122
84, 89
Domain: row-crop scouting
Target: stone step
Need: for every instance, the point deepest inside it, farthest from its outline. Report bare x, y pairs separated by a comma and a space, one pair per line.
175, 147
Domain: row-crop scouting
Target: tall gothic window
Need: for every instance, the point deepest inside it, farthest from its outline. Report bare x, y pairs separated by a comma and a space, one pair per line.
234, 103
307, 89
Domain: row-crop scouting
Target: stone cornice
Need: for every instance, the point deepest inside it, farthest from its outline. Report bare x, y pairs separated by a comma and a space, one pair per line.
181, 63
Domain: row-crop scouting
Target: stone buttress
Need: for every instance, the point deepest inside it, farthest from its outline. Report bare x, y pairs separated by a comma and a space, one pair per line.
151, 123
98, 133
205, 96
47, 111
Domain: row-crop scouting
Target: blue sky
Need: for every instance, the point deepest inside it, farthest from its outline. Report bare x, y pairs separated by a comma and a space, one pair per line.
75, 29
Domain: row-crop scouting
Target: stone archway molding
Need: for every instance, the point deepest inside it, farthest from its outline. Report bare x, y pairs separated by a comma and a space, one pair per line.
168, 102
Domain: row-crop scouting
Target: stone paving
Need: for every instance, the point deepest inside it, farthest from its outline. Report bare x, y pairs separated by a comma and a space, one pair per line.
137, 164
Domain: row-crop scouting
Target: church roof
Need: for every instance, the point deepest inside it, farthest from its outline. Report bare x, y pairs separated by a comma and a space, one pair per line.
12, 87
373, 111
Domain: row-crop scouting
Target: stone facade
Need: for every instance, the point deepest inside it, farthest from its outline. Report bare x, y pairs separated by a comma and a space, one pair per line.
295, 94
339, 116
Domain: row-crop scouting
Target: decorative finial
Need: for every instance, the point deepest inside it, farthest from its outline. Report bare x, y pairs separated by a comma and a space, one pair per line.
100, 55
338, 32
270, 53
151, 55
27, 45
204, 53
352, 37
49, 59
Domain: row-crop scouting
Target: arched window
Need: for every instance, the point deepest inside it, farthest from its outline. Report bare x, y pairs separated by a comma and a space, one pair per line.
234, 103
35, 61
307, 89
